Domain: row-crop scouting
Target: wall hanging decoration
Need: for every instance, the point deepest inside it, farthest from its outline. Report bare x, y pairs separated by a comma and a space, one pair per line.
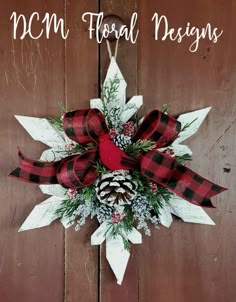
105, 163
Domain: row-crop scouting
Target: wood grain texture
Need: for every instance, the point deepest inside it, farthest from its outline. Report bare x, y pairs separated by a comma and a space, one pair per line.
193, 262
31, 83
184, 263
81, 74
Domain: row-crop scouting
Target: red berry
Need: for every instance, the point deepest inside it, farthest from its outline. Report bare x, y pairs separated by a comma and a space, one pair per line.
169, 151
129, 128
113, 132
153, 186
117, 217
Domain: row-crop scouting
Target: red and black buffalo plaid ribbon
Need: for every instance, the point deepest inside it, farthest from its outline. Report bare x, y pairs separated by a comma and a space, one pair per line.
77, 171
164, 170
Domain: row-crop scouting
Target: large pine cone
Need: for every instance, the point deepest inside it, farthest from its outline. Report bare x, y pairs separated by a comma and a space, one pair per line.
116, 188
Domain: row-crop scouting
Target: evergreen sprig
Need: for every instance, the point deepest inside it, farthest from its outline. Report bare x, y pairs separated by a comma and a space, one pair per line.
76, 149
155, 198
109, 95
163, 194
122, 229
183, 158
110, 89
139, 147
68, 207
100, 168
88, 192
164, 108
57, 121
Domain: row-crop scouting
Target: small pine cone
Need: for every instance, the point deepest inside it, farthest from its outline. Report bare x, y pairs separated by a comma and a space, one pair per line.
103, 213
122, 141
116, 188
140, 205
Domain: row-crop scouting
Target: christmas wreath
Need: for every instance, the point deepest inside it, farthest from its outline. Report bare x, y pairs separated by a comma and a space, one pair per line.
104, 162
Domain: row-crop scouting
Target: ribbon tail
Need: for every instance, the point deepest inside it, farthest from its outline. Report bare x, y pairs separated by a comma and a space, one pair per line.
71, 172
187, 184
192, 187
35, 171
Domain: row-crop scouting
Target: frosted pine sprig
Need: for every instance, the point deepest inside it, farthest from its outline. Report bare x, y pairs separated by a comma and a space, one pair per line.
142, 213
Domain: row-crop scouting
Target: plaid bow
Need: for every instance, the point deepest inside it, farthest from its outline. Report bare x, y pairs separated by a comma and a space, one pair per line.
77, 171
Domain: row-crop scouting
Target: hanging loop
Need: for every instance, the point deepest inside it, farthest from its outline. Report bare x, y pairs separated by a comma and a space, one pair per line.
111, 27
109, 49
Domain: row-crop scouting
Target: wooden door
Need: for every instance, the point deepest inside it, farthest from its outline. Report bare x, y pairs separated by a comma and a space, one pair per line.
184, 263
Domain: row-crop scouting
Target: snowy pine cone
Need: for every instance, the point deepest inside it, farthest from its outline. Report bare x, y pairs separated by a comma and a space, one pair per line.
140, 205
122, 141
116, 188
103, 213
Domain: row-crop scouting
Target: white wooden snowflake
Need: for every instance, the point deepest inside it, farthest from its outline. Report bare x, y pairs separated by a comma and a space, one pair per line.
43, 214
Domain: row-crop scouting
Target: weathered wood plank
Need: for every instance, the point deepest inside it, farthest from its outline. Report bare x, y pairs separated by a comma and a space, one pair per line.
31, 83
185, 263
81, 71
193, 262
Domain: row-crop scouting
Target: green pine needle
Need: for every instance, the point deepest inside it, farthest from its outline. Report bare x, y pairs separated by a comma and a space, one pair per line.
141, 146
122, 229
68, 207
164, 108
109, 94
155, 198
63, 107
57, 122
183, 158
100, 168
88, 192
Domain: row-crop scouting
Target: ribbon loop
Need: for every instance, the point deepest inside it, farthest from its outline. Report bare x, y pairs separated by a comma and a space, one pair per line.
79, 171
84, 126
159, 127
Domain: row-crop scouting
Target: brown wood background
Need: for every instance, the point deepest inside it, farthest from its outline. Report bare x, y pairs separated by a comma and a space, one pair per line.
184, 263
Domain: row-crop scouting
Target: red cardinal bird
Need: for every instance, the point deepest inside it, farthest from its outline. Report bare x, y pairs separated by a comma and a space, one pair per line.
113, 157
